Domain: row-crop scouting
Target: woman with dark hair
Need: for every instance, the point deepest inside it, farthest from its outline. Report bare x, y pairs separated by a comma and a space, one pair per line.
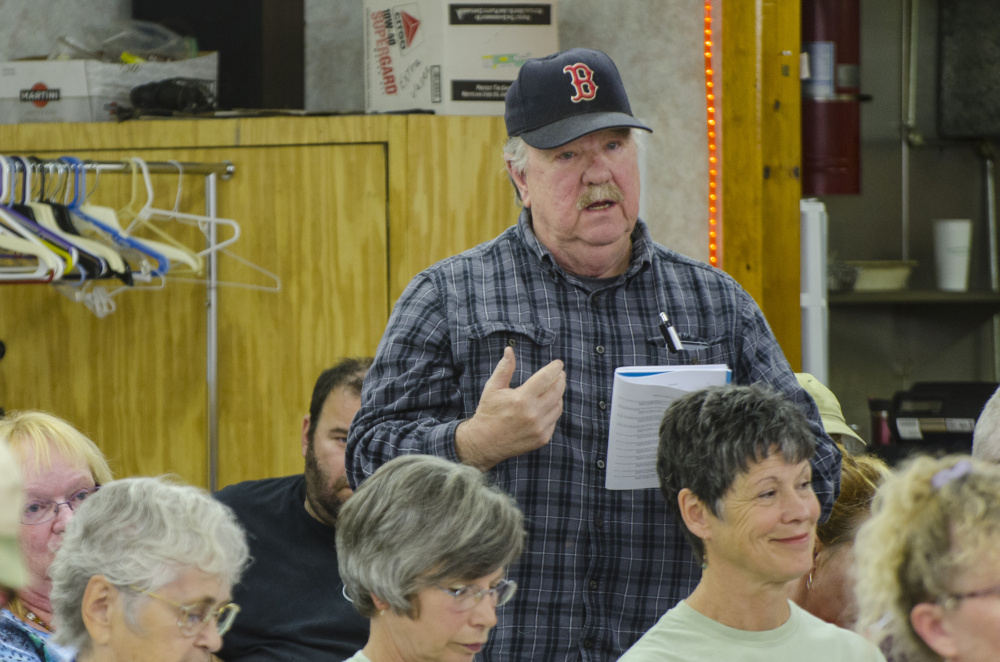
733, 464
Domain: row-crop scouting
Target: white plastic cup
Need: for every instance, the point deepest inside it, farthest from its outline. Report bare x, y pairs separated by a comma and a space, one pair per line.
952, 243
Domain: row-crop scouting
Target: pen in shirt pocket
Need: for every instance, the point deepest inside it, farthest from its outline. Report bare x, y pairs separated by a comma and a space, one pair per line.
669, 334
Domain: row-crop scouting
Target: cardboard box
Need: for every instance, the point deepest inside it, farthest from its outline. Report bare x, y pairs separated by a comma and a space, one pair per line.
43, 91
451, 58
85, 90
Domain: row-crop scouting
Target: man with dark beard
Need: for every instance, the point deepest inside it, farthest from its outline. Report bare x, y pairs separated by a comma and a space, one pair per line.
293, 608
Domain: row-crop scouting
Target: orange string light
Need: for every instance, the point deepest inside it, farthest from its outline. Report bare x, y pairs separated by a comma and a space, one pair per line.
713, 222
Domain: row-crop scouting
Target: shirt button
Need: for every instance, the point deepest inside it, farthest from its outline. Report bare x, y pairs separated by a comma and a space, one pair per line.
511, 342
599, 521
694, 360
588, 643
593, 585
600, 464
602, 404
600, 349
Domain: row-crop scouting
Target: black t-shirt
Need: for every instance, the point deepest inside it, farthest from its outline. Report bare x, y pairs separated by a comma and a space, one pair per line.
292, 604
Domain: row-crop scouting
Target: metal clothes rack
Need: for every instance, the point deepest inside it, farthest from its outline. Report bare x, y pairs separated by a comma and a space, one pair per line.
212, 173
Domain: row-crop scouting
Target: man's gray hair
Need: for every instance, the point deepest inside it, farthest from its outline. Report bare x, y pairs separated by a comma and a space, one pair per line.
515, 152
142, 532
986, 436
420, 521
709, 437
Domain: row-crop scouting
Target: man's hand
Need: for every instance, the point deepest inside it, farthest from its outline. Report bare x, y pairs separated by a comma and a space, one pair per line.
511, 421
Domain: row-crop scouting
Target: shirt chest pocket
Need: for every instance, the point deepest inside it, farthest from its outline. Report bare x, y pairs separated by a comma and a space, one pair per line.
697, 351
533, 345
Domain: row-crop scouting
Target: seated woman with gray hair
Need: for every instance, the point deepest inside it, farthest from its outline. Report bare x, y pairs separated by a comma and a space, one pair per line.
424, 545
929, 562
144, 573
733, 464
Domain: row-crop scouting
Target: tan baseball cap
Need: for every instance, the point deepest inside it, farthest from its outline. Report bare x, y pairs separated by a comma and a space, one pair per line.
830, 411
12, 571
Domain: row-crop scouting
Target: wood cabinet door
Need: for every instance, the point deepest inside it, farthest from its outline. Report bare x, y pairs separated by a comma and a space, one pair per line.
135, 381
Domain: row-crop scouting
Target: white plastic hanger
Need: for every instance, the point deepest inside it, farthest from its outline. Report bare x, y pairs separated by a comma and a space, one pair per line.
203, 224
30, 260
149, 212
45, 216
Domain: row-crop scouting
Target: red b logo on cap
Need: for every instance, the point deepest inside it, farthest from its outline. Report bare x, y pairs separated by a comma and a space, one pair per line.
583, 82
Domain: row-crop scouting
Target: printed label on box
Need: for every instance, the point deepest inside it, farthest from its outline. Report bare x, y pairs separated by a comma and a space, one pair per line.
479, 90
908, 428
500, 14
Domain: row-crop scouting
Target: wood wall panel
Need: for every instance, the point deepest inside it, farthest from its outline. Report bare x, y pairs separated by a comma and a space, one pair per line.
458, 196
314, 213
133, 381
327, 240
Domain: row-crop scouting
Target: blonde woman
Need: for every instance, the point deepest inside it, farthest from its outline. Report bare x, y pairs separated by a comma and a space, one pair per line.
61, 468
929, 562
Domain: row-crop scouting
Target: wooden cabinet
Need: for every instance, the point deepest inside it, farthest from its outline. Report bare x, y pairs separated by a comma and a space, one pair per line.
344, 209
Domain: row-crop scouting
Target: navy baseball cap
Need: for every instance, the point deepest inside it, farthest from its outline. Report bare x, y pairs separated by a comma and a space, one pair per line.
556, 99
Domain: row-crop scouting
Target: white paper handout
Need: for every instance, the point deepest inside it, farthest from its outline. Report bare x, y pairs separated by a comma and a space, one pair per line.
640, 396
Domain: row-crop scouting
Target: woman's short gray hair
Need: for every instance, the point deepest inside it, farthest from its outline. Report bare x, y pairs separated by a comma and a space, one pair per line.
418, 521
142, 532
933, 522
709, 437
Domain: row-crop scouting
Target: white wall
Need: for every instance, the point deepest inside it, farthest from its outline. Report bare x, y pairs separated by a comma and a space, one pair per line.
29, 28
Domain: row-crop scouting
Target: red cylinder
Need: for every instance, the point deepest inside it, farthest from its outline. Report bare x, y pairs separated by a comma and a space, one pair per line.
831, 114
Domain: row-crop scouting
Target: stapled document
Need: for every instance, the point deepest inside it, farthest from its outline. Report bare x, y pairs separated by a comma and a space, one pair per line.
641, 394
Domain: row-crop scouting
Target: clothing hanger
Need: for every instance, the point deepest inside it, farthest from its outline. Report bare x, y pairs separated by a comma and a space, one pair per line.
148, 259
148, 213
120, 254
275, 285
128, 218
23, 259
58, 218
25, 228
88, 264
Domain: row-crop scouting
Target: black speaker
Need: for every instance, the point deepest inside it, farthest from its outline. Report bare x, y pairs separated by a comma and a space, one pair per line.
261, 45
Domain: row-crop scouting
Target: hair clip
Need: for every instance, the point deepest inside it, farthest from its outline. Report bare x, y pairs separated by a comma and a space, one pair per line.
945, 476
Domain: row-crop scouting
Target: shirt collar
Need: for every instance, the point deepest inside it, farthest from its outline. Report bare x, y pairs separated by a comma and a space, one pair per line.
641, 245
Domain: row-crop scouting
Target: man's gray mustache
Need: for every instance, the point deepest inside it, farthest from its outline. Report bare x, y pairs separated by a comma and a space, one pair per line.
600, 192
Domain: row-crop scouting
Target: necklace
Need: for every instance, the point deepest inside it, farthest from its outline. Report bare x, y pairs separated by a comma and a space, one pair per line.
30, 615
19, 609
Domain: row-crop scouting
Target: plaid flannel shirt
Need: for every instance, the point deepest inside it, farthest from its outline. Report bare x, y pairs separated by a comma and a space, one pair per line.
600, 566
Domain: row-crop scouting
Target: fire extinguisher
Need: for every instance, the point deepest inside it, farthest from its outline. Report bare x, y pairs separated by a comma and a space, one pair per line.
831, 114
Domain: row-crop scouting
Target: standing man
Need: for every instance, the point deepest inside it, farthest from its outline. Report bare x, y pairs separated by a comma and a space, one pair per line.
292, 600
562, 299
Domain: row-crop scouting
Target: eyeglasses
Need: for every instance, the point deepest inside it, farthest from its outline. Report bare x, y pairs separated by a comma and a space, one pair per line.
41, 511
951, 600
469, 596
195, 617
